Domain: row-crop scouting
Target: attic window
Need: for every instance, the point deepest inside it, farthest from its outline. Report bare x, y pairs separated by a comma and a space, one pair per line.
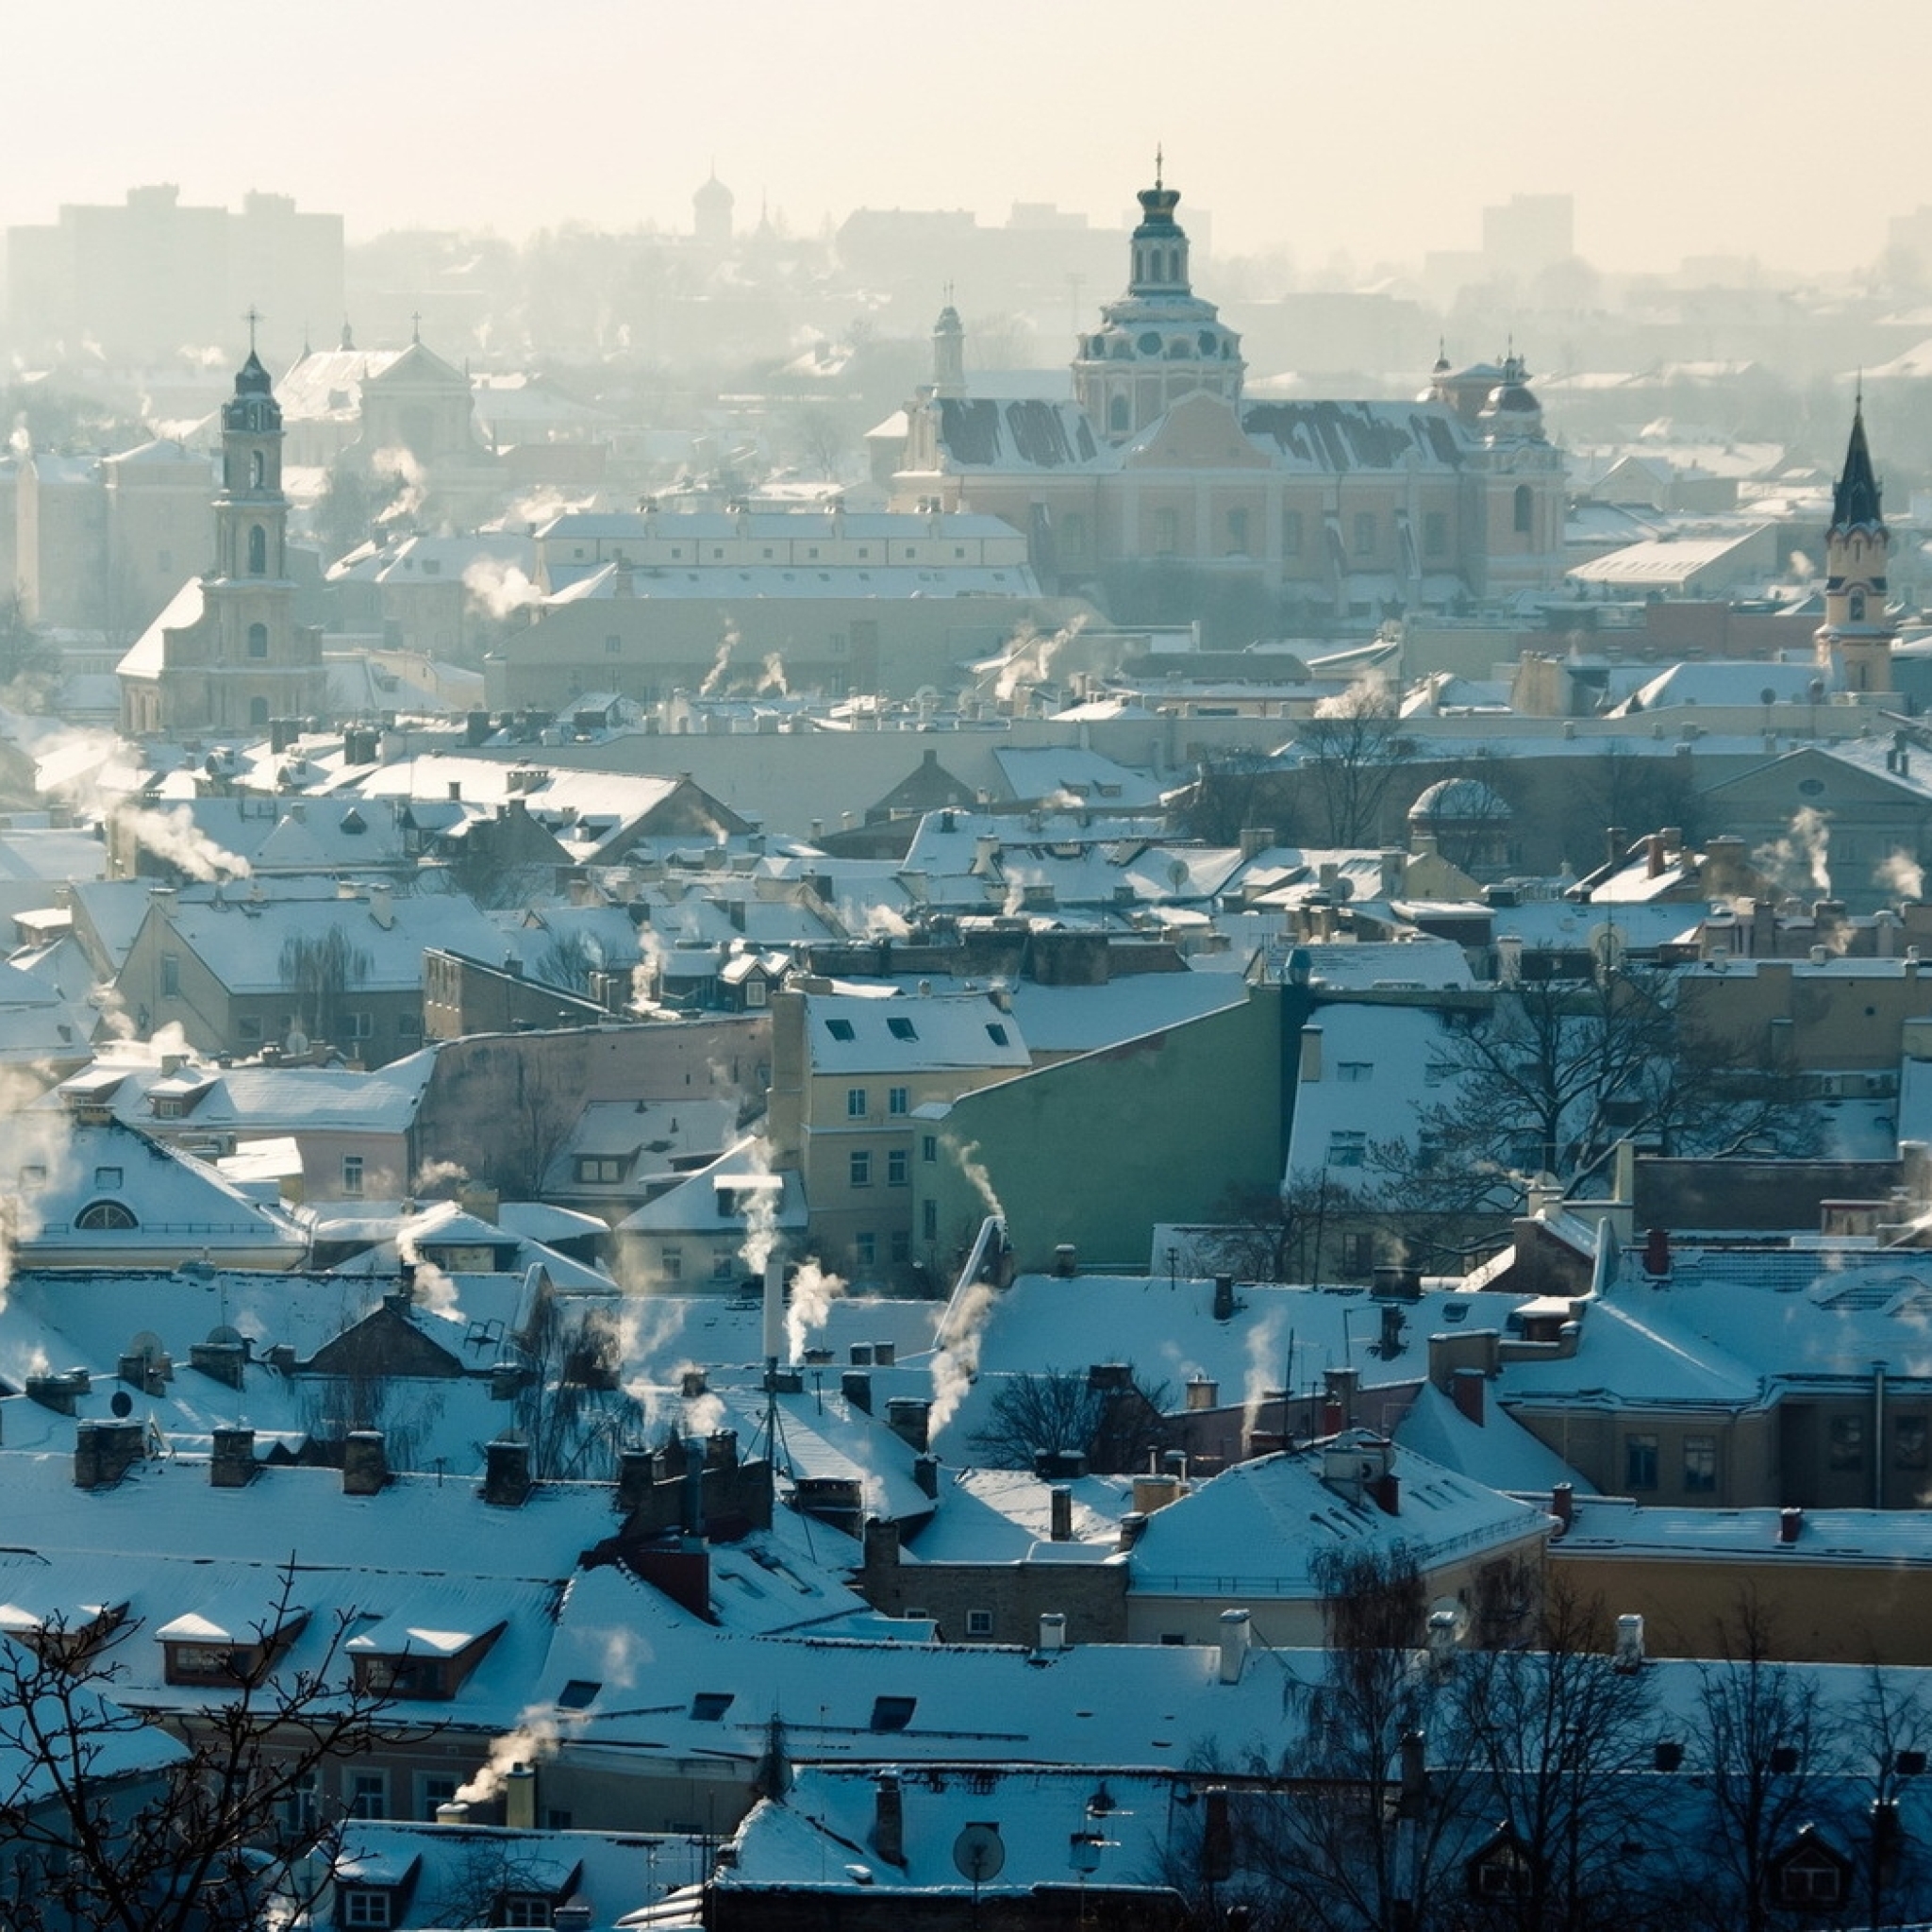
891, 1713
578, 1694
901, 1029
707, 1706
100, 1215
106, 1176
353, 822
839, 1029
996, 1033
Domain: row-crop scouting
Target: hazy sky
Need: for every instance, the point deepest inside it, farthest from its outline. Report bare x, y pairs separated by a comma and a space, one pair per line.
1379, 127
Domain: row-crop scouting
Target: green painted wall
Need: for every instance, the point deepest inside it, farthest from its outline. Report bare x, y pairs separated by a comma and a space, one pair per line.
1096, 1150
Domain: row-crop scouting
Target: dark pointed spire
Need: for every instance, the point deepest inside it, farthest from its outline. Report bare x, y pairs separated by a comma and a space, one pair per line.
1854, 501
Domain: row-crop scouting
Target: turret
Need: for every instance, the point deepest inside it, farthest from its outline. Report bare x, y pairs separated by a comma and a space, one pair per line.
1854, 641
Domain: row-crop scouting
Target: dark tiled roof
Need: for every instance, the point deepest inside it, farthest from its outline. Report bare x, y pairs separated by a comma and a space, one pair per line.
1854, 501
986, 432
1355, 436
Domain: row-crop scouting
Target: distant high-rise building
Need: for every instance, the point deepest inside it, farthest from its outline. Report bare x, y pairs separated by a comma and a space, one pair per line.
1529, 233
152, 276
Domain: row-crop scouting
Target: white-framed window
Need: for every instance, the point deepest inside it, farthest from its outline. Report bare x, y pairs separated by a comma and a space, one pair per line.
859, 1168
898, 1100
897, 1167
368, 1798
366, 1906
352, 1176
979, 1623
1347, 1149
433, 1788
854, 1103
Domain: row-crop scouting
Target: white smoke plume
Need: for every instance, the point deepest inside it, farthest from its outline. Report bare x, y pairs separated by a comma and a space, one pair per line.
1803, 856
1264, 1358
760, 1210
499, 590
702, 1413
1901, 876
813, 1291
174, 834
533, 1739
977, 1176
715, 676
437, 1174
956, 1362
1367, 697
1030, 658
774, 679
36, 1155
433, 1288
411, 484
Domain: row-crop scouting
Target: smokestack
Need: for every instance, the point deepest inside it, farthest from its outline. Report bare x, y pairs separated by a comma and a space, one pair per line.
1203, 1394
1224, 1297
1563, 1502
774, 1310
1236, 1635
365, 1462
856, 1385
104, 1453
1629, 1651
1133, 1526
1060, 1509
910, 1418
925, 1473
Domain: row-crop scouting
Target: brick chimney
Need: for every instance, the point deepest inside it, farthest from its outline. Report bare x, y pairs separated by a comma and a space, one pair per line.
856, 1385
1789, 1522
365, 1462
681, 1568
910, 1418
889, 1818
1469, 1387
104, 1453
636, 1470
506, 1472
1563, 1504
231, 1466
1060, 1504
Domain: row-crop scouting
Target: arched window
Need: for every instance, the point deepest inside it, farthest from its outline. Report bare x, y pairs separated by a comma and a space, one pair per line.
105, 1214
257, 641
1857, 611
1118, 423
258, 469
1525, 510
258, 551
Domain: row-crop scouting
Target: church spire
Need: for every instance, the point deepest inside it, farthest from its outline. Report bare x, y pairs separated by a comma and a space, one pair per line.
1854, 501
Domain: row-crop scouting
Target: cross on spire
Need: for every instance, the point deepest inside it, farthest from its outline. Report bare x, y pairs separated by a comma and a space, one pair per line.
1160, 164
416, 326
253, 316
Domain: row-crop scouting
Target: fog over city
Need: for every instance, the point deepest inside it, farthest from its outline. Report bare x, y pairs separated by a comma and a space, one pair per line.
966, 969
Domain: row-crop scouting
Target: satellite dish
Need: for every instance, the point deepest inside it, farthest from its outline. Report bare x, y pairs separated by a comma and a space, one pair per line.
1344, 891
978, 1854
221, 1335
123, 1405
147, 1342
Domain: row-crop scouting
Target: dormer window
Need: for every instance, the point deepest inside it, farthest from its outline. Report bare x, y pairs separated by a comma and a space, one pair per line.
106, 1216
400, 1657
215, 1646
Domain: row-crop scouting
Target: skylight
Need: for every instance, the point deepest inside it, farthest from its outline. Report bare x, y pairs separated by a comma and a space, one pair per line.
839, 1029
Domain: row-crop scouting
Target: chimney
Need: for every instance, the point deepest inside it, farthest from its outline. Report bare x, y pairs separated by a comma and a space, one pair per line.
104, 1453
1133, 1526
1388, 1492
382, 905
1790, 1521
1340, 1391
1468, 1386
925, 1473
1066, 1260
885, 1355
1060, 1509
1203, 1394
1235, 1637
365, 1462
231, 1466
909, 1417
680, 1567
1654, 856
1656, 1253
1224, 1297
635, 1475
856, 1385
774, 1304
1629, 1652
1311, 1053
506, 1472
691, 1384
1053, 1630
1563, 1504
889, 1818
519, 1798
452, 1811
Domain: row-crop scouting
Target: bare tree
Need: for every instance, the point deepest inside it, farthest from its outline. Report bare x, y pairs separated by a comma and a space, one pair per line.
203, 1844
318, 971
1109, 1417
1356, 750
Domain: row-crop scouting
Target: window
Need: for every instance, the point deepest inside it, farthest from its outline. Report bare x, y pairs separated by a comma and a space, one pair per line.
839, 1029
301, 1808
928, 1221
1700, 1465
525, 1908
1292, 532
723, 1263
248, 1029
580, 1693
171, 973
258, 468
1354, 1070
707, 1706
106, 1176
897, 1167
859, 1168
368, 1798
1347, 1149
612, 643
979, 1623
1118, 423
865, 1249
1639, 1462
1357, 1253
352, 1176
1365, 533
928, 1148
1524, 509
408, 1026
1237, 532
1435, 533
364, 1906
995, 1033
603, 1168
900, 1027
898, 1100
99, 1215
1167, 532
893, 1713
357, 1026
258, 567
257, 641
1908, 1442
854, 1103
1845, 1449
671, 1263
433, 1789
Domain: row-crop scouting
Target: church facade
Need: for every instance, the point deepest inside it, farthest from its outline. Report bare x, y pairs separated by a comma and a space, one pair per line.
1160, 463
227, 654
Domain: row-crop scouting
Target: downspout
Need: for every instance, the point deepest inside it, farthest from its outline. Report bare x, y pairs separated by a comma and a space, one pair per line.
1879, 1434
